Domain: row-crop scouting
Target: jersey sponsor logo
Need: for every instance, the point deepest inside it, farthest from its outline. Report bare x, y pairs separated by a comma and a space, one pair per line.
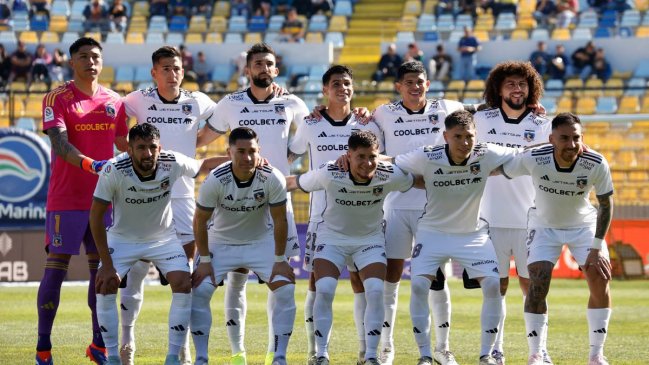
377, 191
582, 181
415, 131
280, 108
323, 134
186, 108
457, 182
383, 176
480, 150
543, 160
528, 135
259, 195
492, 131
269, 121
152, 107
110, 110
332, 147
586, 164
90, 127
48, 114
168, 120
151, 199
242, 208
236, 96
245, 110
226, 179
357, 203
545, 177
437, 155
439, 171
538, 121
483, 262
474, 168
491, 114
338, 175
556, 191
433, 118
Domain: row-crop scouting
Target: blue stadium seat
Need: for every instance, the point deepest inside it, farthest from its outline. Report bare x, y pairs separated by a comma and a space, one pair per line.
636, 86
455, 36
114, 38
436, 89
630, 18
540, 34
642, 69
60, 7
343, 7
582, 34
464, 20
154, 38
158, 23
624, 32
78, 6
505, 22
75, 24
588, 19
20, 21
275, 23
554, 88
606, 105
318, 23
142, 74
336, 38
178, 23
426, 23
316, 71
8, 39
233, 38
406, 37
124, 74
549, 103
431, 36
69, 37
238, 24
313, 86
39, 23
602, 33
257, 24
26, 124
608, 19
445, 23
222, 73
175, 39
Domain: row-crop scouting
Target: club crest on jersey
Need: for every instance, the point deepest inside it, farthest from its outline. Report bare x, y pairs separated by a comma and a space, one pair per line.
319, 248
164, 185
57, 241
528, 135
582, 181
259, 196
474, 168
280, 109
377, 191
110, 110
433, 118
186, 108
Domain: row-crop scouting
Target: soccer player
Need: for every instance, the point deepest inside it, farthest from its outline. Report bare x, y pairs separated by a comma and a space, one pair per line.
270, 116
241, 222
455, 175
351, 232
138, 185
411, 122
510, 88
82, 120
325, 138
177, 113
563, 175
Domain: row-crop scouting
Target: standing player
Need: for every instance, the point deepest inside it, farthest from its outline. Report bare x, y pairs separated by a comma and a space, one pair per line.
455, 175
563, 176
351, 231
510, 88
325, 137
270, 116
138, 185
177, 113
411, 122
82, 120
238, 207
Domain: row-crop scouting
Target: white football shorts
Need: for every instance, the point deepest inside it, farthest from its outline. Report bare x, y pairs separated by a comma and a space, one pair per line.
167, 256
354, 257
256, 257
545, 244
183, 215
510, 242
400, 229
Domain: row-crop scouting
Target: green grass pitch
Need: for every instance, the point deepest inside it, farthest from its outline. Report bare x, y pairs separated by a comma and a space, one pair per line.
567, 343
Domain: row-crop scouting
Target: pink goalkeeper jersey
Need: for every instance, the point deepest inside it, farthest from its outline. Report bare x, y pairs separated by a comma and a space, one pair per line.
92, 123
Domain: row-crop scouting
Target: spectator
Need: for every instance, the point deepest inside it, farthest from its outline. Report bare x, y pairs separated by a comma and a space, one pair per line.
188, 63
413, 53
20, 6
202, 70
179, 7
441, 65
118, 15
41, 7
5, 65
566, 12
582, 60
202, 7
320, 6
240, 7
468, 46
40, 65
559, 66
445, 7
261, 7
5, 13
545, 13
59, 70
96, 14
388, 65
601, 68
469, 7
504, 6
292, 28
21, 64
540, 58
159, 7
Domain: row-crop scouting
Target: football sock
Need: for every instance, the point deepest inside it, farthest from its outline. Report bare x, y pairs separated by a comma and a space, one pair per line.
49, 293
419, 313
201, 317
308, 321
501, 325
283, 308
360, 304
597, 329
390, 303
108, 321
235, 310
131, 298
322, 313
92, 303
535, 325
373, 315
440, 304
491, 311
179, 317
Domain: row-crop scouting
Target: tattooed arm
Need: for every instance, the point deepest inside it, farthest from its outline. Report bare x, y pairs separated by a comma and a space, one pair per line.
595, 259
62, 147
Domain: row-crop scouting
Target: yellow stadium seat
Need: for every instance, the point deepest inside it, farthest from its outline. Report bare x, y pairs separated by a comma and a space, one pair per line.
138, 24
218, 24
573, 87
629, 105
141, 8
614, 87
412, 7
252, 38
314, 37
644, 194
586, 105
564, 105
645, 104
197, 24
618, 176
482, 35
124, 86
626, 158
642, 5
190, 85
474, 89
338, 23
50, 37
58, 23
593, 87
194, 38
561, 34
456, 85
107, 74
214, 38
4, 122
519, 34
38, 86
33, 108
94, 35
638, 176
28, 37
408, 24
429, 7
526, 22
134, 38
628, 195
18, 86
221, 8
642, 32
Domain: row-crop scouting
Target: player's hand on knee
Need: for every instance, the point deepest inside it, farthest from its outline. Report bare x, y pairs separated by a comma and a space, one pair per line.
596, 261
203, 270
107, 281
282, 269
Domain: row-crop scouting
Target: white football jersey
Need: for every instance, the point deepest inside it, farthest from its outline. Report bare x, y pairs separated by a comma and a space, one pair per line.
142, 209
326, 140
241, 209
177, 121
353, 211
405, 130
271, 119
562, 193
454, 191
506, 202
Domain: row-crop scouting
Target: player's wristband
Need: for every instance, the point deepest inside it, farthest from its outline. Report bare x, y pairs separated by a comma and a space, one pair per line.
204, 259
86, 165
598, 243
280, 258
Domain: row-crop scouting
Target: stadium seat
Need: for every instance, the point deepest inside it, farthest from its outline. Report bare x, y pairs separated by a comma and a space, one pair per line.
134, 38
408, 24
39, 23
564, 105
550, 104
222, 73
214, 38
50, 37
141, 8
636, 86
58, 23
593, 87
275, 23
154, 38
587, 19
505, 22
75, 24
554, 88
338, 23
436, 89
445, 23
431, 36
176, 39
464, 20
606, 105
178, 23
191, 38
560, 34
586, 105
124, 74
608, 19
316, 71
8, 38
28, 37
197, 24
426, 23
629, 105
26, 124
526, 22
252, 38
69, 37
238, 24
412, 7
582, 34
642, 69
107, 74
139, 24
336, 38
20, 22
455, 36
221, 8
405, 37
343, 7
318, 23
158, 23
60, 7
573, 87
313, 37
614, 87
642, 31
645, 105
630, 18
233, 38
540, 34
601, 32
474, 89
257, 24
482, 35
142, 74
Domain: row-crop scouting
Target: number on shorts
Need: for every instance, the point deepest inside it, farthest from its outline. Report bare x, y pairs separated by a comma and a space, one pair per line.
530, 237
416, 250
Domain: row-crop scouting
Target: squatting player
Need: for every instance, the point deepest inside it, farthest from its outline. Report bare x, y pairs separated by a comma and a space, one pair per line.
82, 120
138, 185
240, 222
325, 138
351, 231
563, 175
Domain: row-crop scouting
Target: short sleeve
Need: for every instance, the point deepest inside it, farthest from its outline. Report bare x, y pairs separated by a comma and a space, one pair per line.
413, 161
300, 143
219, 121
452, 105
403, 181
208, 193
130, 102
374, 128
277, 189
105, 188
603, 182
517, 166
188, 166
311, 181
499, 155
53, 112
207, 107
301, 111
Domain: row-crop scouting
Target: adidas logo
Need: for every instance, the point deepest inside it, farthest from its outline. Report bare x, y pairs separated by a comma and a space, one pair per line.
545, 177
492, 131
400, 120
439, 172
198, 333
123, 307
229, 197
343, 190
132, 188
386, 324
49, 305
493, 330
317, 333
532, 334
296, 246
230, 323
323, 134
245, 110
287, 334
601, 330
152, 107
444, 325
416, 330
374, 333
179, 327
309, 320
103, 329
